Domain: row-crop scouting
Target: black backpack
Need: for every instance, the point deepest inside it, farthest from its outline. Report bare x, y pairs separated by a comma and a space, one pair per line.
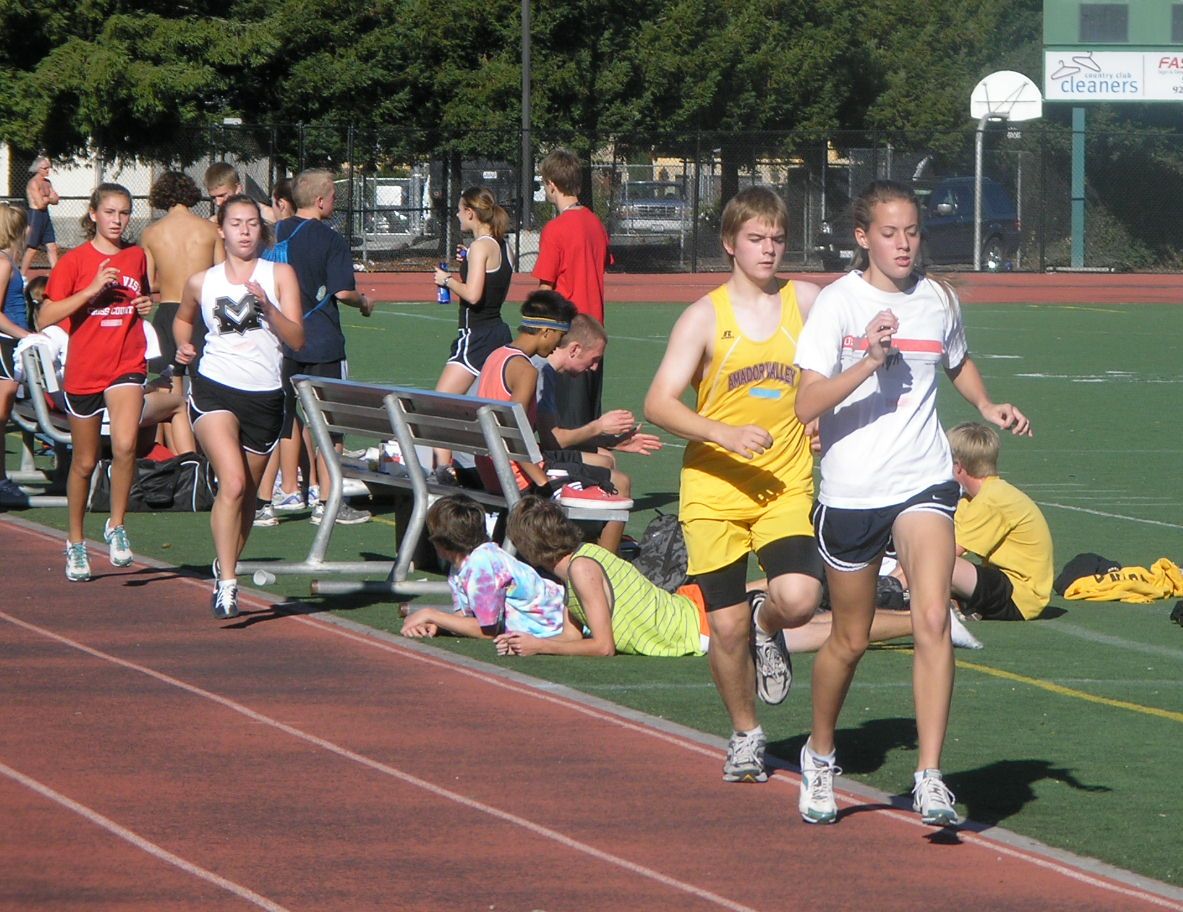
661, 554
183, 484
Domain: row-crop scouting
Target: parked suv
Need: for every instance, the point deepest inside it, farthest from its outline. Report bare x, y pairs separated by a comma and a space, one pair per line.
650, 212
949, 224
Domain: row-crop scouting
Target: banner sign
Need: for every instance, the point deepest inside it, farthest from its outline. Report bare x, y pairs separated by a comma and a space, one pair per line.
1078, 75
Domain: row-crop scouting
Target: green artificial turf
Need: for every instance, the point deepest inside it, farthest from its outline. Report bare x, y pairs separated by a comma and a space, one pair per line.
1066, 729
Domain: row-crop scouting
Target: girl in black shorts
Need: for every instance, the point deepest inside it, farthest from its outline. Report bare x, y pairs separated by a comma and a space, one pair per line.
249, 306
485, 272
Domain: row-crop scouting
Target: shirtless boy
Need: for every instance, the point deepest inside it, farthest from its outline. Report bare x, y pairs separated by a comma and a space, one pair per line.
40, 195
178, 246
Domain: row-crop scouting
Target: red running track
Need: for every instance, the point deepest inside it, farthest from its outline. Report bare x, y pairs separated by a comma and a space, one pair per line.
154, 758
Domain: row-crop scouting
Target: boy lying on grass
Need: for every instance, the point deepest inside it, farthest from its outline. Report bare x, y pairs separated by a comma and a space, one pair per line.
613, 609
492, 591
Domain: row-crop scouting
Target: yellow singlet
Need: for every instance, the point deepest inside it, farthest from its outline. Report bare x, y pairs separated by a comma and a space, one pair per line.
748, 382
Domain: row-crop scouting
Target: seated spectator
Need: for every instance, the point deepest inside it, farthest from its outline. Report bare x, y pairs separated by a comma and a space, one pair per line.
492, 591
585, 452
1006, 530
509, 375
582, 349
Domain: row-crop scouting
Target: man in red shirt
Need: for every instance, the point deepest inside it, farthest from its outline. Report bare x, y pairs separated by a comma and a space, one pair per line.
572, 257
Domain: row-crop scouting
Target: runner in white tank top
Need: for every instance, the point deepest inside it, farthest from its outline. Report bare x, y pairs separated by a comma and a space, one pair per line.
249, 307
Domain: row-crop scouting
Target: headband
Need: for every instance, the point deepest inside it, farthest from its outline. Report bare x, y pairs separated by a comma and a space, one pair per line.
546, 323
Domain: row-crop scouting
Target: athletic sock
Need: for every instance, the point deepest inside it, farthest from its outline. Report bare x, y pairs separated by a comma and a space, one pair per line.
758, 730
820, 759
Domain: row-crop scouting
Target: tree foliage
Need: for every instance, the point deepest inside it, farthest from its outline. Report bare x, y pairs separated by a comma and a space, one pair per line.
126, 75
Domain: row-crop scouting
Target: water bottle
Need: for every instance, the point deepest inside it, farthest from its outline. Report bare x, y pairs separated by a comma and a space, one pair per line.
442, 295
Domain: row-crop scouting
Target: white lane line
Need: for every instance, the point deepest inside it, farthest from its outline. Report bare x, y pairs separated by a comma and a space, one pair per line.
1092, 636
140, 842
1136, 519
1018, 847
440, 792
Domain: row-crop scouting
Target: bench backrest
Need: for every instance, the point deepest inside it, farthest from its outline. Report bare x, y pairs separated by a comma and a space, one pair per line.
40, 379
433, 419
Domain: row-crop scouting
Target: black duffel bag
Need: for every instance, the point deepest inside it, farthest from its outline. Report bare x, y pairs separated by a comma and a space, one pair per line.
183, 484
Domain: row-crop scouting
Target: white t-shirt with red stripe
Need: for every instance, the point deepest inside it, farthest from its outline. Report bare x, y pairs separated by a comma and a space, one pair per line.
884, 443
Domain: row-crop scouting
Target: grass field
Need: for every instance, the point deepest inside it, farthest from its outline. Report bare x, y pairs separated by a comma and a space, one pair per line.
1066, 730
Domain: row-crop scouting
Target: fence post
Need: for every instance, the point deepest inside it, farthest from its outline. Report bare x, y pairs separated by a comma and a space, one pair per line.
1042, 200
696, 201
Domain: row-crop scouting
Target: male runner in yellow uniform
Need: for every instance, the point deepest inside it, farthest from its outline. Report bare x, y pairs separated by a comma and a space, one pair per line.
747, 477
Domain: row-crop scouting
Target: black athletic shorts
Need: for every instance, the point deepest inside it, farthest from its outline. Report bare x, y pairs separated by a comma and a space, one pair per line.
92, 404
850, 540
7, 358
259, 413
728, 585
993, 596
162, 322
472, 347
331, 370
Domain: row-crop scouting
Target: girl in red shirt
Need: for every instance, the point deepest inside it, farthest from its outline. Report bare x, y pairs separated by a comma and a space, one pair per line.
99, 293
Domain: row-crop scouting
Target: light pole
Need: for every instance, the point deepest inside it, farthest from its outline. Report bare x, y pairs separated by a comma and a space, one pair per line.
527, 181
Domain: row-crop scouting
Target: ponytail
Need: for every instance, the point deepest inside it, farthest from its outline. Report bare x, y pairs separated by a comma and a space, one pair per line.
487, 210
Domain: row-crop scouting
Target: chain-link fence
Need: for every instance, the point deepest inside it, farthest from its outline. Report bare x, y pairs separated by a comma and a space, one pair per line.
661, 195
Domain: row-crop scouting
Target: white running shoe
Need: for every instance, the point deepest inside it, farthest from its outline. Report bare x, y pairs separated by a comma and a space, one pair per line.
77, 562
118, 546
962, 638
745, 758
816, 803
770, 652
932, 799
288, 503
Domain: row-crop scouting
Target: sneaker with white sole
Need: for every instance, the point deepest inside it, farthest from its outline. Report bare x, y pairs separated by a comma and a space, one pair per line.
118, 545
592, 497
770, 652
346, 515
77, 562
932, 800
962, 638
224, 602
288, 503
265, 517
745, 758
816, 803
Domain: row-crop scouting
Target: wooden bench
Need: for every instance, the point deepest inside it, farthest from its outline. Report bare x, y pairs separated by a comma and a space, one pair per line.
414, 418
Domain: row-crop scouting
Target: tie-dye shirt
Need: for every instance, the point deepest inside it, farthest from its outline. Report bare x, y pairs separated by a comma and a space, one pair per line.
495, 587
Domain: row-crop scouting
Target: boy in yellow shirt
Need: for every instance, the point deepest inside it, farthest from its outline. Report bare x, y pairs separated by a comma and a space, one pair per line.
1004, 528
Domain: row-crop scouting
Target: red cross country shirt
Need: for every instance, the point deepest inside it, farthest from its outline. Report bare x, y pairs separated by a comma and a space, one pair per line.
106, 339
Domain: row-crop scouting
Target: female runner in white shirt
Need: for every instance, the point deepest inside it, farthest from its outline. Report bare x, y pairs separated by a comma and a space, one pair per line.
869, 354
249, 306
